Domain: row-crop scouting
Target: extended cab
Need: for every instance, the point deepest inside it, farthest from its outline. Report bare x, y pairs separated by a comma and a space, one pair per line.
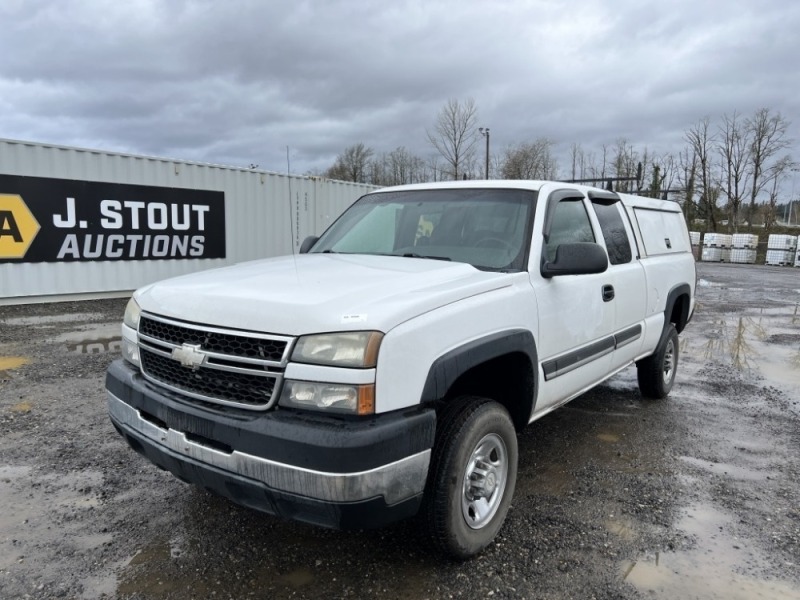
387, 368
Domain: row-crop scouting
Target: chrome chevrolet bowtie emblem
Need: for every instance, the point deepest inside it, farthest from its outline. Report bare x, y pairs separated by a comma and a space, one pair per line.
189, 356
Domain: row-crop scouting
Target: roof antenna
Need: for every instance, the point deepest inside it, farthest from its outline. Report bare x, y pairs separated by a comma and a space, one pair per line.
291, 225
289, 177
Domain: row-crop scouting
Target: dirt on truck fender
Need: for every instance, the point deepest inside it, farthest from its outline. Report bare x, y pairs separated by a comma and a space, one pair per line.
388, 369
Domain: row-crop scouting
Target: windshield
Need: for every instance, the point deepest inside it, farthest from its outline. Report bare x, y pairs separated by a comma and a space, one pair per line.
487, 228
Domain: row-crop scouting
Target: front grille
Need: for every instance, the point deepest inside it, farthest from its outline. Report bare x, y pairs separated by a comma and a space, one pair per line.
250, 390
224, 367
214, 341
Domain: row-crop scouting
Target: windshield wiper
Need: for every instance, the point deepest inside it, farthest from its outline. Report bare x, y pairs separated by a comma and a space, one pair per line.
415, 255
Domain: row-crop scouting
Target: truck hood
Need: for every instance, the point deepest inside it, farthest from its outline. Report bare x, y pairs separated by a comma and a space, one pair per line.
311, 293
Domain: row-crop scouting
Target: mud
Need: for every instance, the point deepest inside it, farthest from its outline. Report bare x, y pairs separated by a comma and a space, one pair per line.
617, 497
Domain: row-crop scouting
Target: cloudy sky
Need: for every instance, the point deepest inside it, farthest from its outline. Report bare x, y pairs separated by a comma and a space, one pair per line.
237, 81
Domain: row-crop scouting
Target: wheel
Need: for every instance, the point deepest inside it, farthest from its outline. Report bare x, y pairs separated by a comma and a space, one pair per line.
472, 476
656, 373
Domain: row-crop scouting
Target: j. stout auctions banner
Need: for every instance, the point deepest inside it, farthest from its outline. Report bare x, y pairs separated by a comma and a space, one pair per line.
55, 220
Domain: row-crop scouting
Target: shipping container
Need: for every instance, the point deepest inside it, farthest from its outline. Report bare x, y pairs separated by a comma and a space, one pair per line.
86, 223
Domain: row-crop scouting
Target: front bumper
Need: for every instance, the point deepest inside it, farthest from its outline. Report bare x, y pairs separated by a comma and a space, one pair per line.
318, 469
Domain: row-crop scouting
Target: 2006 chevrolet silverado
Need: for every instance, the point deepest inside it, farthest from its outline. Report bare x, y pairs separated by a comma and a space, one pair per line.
386, 369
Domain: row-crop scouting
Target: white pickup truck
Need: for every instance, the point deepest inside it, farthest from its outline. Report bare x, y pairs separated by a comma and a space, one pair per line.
386, 369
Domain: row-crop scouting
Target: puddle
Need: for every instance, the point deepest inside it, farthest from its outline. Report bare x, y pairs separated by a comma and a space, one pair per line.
146, 572
92, 339
624, 529
624, 381
87, 333
765, 343
779, 372
7, 363
719, 567
609, 438
52, 319
706, 283
730, 470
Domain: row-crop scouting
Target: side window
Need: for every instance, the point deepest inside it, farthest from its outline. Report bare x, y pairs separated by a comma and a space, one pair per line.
570, 224
617, 243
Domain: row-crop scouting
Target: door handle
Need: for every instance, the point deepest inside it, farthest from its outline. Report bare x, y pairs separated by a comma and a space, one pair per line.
608, 293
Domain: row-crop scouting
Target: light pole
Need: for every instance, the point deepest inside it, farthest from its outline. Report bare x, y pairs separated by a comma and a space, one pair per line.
485, 133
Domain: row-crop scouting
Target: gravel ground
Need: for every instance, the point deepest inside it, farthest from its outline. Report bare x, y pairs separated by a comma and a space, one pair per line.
618, 497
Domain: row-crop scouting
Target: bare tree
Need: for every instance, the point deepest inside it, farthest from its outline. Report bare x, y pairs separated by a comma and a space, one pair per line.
733, 145
351, 165
453, 134
661, 172
603, 168
399, 165
433, 168
396, 168
533, 160
778, 172
687, 173
624, 164
669, 173
768, 135
418, 172
701, 141
404, 167
577, 158
377, 170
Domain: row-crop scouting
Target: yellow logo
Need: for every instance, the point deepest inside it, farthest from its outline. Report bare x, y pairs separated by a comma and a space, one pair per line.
18, 227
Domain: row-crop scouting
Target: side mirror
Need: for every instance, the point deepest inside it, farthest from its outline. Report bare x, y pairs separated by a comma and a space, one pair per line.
308, 243
579, 258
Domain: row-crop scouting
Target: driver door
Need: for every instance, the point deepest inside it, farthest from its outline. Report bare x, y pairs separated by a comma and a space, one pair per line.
576, 321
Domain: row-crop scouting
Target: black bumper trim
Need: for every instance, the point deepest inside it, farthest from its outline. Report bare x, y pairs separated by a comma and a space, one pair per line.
365, 514
308, 441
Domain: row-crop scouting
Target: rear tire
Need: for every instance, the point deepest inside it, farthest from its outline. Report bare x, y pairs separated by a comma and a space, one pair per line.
656, 373
472, 476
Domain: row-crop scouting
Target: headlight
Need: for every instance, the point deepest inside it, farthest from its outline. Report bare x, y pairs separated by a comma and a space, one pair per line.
132, 312
330, 397
347, 349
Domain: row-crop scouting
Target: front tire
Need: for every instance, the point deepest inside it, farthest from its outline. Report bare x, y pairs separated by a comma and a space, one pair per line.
656, 373
472, 477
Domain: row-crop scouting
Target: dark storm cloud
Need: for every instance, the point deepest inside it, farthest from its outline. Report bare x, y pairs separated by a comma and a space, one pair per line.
237, 82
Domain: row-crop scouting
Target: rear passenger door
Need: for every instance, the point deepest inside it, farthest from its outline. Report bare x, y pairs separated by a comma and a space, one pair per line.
626, 278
